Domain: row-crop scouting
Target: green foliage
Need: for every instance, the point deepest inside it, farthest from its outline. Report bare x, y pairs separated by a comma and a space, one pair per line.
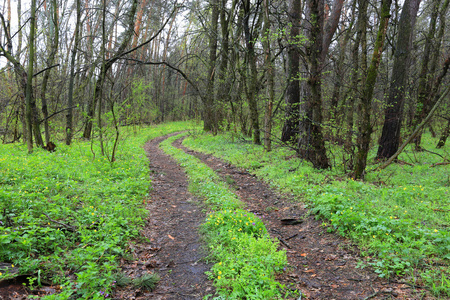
73, 213
246, 257
401, 221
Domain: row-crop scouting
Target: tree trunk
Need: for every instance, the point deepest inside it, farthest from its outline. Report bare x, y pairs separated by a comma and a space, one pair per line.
390, 136
357, 79
270, 78
69, 116
444, 136
209, 113
252, 89
54, 23
365, 127
29, 84
292, 98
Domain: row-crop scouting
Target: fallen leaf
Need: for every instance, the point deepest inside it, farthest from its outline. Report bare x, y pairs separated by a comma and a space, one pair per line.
310, 271
170, 237
174, 206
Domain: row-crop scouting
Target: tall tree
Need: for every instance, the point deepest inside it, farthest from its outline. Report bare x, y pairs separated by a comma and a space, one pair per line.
29, 99
52, 33
390, 136
365, 127
292, 98
69, 117
311, 144
251, 33
270, 77
209, 111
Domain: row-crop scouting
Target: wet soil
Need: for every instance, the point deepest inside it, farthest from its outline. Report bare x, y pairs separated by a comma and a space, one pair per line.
174, 249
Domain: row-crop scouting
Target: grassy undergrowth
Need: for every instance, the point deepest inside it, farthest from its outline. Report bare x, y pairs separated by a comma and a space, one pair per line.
399, 216
246, 257
66, 217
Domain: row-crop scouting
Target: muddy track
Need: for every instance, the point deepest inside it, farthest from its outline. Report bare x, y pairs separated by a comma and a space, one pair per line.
322, 265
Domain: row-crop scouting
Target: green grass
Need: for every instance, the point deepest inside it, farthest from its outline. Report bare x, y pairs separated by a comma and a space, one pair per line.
246, 258
402, 225
66, 217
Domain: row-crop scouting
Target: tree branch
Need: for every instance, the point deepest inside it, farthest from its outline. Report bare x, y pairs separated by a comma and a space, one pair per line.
55, 113
41, 71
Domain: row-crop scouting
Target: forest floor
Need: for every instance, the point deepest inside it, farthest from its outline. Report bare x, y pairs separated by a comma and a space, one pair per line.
321, 265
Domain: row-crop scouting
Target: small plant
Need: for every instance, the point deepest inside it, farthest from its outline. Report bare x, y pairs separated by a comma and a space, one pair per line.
147, 281
121, 279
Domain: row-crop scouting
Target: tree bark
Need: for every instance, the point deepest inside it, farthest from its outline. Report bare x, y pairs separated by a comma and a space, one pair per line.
444, 135
390, 136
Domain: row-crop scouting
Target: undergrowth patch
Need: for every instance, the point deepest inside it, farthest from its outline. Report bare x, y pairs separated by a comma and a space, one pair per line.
66, 217
246, 257
400, 216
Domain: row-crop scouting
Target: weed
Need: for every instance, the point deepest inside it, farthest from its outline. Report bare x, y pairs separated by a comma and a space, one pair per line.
147, 281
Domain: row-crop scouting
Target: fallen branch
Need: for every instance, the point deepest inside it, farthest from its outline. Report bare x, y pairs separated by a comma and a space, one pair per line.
440, 164
71, 228
284, 243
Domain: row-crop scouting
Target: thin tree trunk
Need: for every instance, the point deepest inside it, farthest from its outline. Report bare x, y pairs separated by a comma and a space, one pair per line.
252, 72
270, 78
29, 85
69, 124
51, 59
426, 88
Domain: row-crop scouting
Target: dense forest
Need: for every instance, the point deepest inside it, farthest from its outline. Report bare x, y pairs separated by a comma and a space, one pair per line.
308, 74
258, 132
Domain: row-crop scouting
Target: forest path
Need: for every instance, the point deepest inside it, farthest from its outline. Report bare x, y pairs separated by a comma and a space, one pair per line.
174, 247
322, 265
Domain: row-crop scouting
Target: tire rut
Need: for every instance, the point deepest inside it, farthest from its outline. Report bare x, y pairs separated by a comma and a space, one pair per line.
174, 250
